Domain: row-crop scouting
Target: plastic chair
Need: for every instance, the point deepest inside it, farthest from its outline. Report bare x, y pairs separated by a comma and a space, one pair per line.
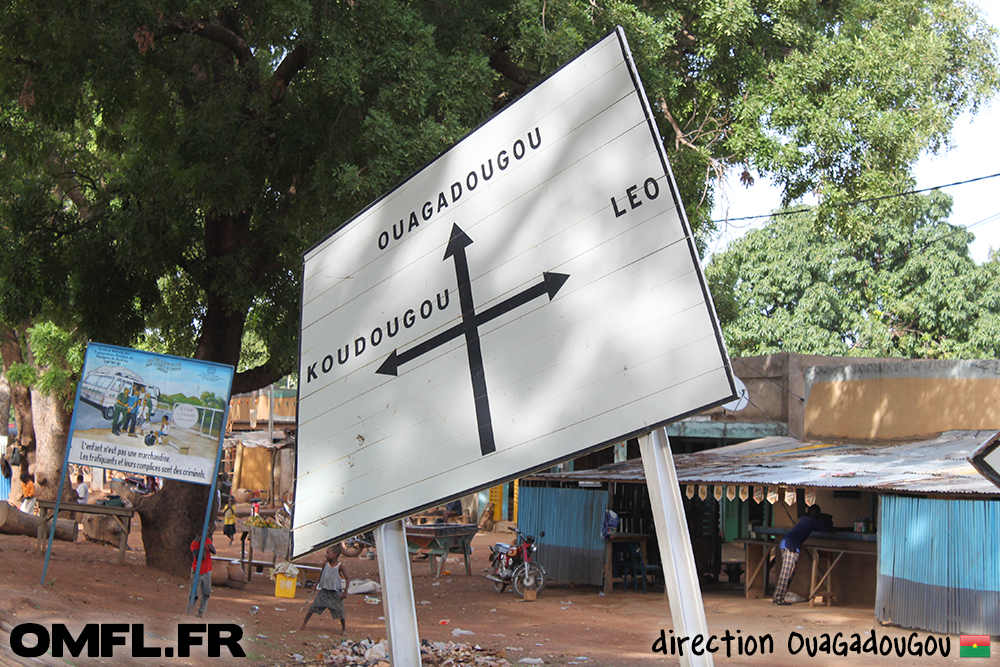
639, 568
621, 563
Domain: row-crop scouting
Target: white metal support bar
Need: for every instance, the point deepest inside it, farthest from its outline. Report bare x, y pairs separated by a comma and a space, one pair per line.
397, 595
687, 610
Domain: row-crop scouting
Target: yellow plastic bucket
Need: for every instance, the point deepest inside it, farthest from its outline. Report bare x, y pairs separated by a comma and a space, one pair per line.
284, 587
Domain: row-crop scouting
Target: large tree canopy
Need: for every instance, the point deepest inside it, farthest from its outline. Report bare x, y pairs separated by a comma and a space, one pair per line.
910, 289
169, 162
163, 164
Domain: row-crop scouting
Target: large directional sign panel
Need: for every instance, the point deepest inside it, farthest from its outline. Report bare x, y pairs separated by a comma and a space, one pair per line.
532, 294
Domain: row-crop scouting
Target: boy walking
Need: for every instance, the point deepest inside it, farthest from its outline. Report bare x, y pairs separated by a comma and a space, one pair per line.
229, 519
330, 589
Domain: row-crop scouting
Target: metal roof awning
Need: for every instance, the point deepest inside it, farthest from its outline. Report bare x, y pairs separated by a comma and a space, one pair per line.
938, 465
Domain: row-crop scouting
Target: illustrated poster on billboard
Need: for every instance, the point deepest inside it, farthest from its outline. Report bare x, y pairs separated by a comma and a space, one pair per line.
532, 294
150, 414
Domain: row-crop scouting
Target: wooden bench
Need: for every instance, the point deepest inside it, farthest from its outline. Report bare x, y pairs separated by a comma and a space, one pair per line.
309, 574
122, 515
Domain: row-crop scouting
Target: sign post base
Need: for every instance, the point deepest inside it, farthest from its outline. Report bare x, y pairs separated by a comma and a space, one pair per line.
398, 604
687, 610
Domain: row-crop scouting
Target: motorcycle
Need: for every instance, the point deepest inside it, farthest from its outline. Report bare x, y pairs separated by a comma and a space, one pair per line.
283, 516
142, 486
512, 565
354, 546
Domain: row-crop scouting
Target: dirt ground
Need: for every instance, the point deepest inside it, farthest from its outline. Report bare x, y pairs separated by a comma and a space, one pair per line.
565, 625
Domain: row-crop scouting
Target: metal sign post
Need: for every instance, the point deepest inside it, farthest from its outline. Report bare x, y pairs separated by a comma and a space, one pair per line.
208, 519
687, 610
398, 604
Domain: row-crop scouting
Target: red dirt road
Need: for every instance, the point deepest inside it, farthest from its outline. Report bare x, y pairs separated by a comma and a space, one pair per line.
565, 625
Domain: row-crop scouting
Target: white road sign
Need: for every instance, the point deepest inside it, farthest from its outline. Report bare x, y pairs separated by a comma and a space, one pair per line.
532, 294
986, 459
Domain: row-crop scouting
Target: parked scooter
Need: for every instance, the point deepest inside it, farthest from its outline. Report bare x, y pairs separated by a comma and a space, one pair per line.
513, 565
355, 546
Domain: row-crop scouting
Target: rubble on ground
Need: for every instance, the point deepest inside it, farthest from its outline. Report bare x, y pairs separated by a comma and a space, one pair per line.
368, 653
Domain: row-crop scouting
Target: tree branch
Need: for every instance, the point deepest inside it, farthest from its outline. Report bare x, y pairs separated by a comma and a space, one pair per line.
292, 64
213, 32
500, 62
257, 378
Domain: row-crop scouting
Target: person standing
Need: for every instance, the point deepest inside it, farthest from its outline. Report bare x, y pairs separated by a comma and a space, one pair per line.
82, 490
790, 546
330, 589
144, 413
204, 578
27, 493
229, 519
121, 411
134, 401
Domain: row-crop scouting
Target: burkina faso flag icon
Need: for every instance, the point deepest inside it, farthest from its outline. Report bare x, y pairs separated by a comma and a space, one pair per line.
974, 646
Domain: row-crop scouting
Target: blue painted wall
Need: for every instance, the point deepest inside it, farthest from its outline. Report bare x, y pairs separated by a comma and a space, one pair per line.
572, 549
939, 564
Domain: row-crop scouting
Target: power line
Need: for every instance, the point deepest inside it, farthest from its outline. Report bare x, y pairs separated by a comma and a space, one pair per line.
859, 201
928, 244
775, 383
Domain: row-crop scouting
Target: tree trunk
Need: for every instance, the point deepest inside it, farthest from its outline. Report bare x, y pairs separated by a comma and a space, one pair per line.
51, 423
171, 518
4, 405
15, 522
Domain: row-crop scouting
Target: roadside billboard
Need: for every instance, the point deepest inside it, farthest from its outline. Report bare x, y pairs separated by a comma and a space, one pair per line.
150, 414
532, 294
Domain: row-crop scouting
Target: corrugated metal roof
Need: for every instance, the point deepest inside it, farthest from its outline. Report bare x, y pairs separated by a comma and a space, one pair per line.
939, 465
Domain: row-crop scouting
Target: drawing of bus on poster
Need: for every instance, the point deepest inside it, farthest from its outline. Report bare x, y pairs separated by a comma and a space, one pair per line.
150, 414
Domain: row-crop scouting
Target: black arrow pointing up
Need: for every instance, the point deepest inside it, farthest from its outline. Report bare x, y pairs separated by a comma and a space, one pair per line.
456, 249
469, 326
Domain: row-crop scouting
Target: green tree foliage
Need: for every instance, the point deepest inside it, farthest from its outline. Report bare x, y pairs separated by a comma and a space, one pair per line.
170, 164
909, 289
164, 165
984, 335
211, 400
57, 358
831, 97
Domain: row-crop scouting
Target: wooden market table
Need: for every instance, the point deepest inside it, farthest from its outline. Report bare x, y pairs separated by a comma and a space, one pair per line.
825, 551
822, 570
758, 552
122, 515
274, 540
439, 539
